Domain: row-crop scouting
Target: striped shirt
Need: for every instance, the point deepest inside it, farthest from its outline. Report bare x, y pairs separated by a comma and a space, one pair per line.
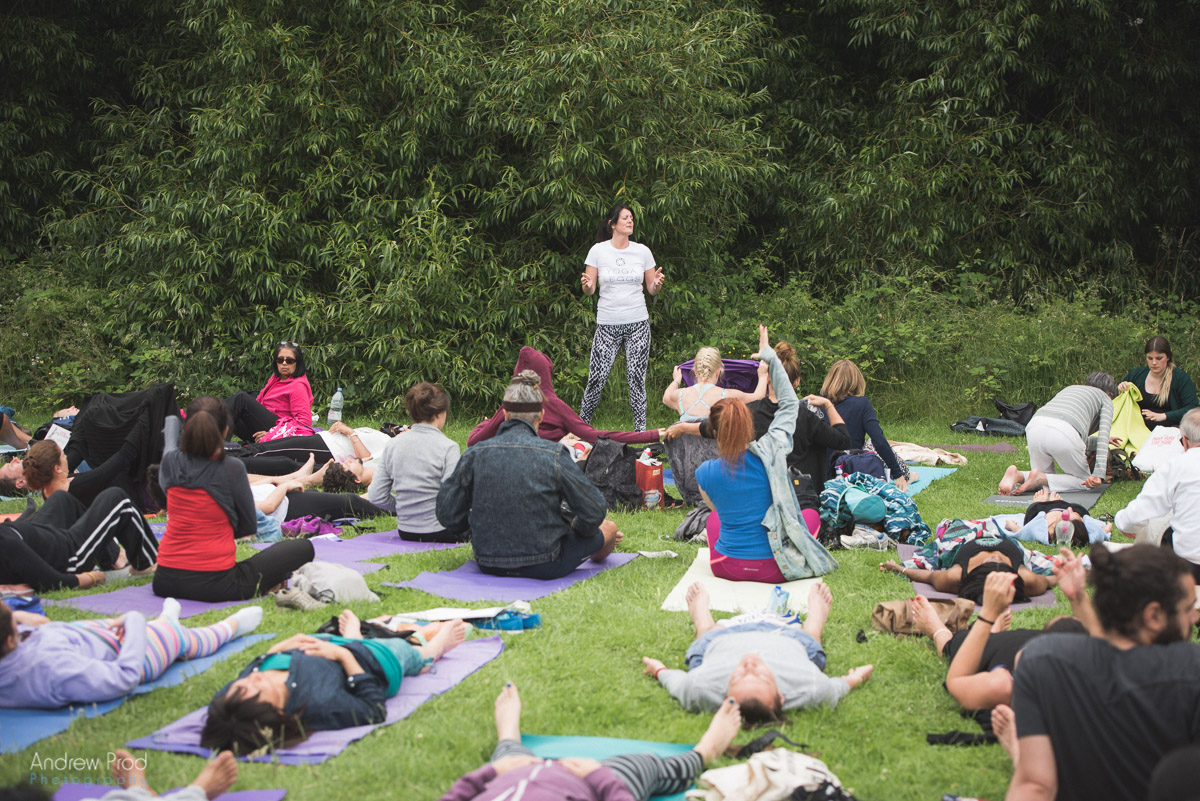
1087, 410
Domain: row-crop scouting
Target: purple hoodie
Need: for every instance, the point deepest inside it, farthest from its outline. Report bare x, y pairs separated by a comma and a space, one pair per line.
541, 781
560, 419
59, 664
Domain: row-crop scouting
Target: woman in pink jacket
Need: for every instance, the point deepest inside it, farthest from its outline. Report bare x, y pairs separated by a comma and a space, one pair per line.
283, 407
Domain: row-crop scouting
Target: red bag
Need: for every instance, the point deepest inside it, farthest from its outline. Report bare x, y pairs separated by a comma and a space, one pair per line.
650, 482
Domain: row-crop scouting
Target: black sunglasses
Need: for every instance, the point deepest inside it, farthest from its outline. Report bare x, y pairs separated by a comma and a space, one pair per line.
285, 360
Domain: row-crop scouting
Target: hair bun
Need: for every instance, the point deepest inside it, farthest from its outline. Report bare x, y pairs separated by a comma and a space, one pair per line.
529, 378
784, 350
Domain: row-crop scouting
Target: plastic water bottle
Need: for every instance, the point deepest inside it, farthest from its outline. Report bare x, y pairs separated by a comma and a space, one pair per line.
779, 601
335, 407
887, 475
1063, 530
839, 471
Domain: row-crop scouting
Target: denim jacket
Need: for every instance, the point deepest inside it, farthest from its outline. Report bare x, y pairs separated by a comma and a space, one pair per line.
796, 551
509, 490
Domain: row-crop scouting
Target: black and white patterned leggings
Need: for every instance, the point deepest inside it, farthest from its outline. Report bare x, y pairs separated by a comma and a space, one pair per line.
645, 775
605, 346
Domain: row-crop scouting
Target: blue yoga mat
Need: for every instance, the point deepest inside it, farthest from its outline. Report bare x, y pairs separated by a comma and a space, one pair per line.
550, 747
21, 728
928, 476
668, 477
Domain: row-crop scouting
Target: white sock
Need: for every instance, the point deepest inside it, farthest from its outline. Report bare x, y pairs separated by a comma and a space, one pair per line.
171, 609
247, 619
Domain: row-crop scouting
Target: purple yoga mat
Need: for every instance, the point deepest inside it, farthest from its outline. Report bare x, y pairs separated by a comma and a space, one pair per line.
354, 552
1047, 598
139, 598
72, 791
993, 447
735, 374
469, 583
183, 736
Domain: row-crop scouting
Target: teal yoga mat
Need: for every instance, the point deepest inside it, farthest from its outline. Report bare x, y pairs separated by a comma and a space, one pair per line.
928, 476
551, 747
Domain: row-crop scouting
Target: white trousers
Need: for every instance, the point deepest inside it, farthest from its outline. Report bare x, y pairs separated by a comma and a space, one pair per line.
1051, 440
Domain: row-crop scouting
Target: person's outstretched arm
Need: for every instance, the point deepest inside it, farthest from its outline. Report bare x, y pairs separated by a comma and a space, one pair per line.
879, 441
964, 682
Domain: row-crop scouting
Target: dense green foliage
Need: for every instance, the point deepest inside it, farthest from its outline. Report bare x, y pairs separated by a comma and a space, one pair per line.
409, 188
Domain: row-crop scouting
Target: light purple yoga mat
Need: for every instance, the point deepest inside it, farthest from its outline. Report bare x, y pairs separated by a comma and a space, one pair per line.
354, 552
72, 791
183, 736
469, 583
139, 598
1047, 598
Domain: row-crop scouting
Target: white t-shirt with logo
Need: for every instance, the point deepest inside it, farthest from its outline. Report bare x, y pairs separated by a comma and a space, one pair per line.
342, 448
620, 278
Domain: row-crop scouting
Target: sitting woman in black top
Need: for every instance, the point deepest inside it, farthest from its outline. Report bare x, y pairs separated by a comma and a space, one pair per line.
318, 683
1167, 392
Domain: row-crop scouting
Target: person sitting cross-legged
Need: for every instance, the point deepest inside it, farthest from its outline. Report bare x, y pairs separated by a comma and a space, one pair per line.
510, 491
515, 772
765, 662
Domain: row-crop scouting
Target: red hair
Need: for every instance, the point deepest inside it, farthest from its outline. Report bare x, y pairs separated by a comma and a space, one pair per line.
734, 428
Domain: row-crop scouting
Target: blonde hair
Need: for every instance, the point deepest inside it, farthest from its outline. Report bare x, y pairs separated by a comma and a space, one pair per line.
707, 364
843, 380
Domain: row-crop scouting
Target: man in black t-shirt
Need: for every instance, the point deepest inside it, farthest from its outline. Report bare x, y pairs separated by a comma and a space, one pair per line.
1094, 715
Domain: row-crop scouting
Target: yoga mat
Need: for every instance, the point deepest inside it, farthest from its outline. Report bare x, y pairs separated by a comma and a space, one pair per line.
993, 447
355, 551
1085, 498
159, 529
549, 747
668, 477
927, 475
1047, 598
139, 598
469, 583
20, 728
72, 791
183, 736
733, 596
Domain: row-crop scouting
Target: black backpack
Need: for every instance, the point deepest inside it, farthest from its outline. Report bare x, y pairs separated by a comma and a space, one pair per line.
612, 467
1019, 412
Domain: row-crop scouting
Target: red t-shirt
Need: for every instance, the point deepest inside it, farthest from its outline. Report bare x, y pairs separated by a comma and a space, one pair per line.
199, 535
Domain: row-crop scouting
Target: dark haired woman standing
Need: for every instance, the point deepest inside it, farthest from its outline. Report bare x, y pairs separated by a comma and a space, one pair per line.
618, 267
1167, 391
209, 505
283, 407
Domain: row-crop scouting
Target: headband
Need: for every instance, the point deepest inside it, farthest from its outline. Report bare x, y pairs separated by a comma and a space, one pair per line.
514, 406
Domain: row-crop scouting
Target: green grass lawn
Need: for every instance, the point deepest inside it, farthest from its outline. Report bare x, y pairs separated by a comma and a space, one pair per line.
580, 673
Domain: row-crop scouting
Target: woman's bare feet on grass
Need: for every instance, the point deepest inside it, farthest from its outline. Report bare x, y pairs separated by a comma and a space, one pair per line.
1035, 479
1003, 622
698, 608
1004, 723
858, 675
448, 637
1011, 481
218, 775
349, 625
925, 619
725, 725
508, 714
128, 772
612, 538
820, 601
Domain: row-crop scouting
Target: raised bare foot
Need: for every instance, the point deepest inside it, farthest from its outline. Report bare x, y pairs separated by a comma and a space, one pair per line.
218, 775
1012, 478
128, 772
508, 714
1004, 723
1035, 479
858, 675
924, 618
698, 608
449, 636
820, 600
306, 469
725, 725
611, 539
1003, 622
349, 625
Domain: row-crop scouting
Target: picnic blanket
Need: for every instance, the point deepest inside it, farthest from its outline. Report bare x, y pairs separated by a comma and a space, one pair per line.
20, 728
354, 551
733, 596
1084, 497
468, 583
553, 747
919, 454
183, 736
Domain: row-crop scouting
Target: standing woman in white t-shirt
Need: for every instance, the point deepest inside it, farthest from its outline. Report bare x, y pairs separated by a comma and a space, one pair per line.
618, 267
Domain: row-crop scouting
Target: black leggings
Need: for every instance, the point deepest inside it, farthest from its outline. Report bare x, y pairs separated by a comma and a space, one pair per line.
85, 537
117, 470
329, 504
245, 580
247, 416
295, 448
436, 536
